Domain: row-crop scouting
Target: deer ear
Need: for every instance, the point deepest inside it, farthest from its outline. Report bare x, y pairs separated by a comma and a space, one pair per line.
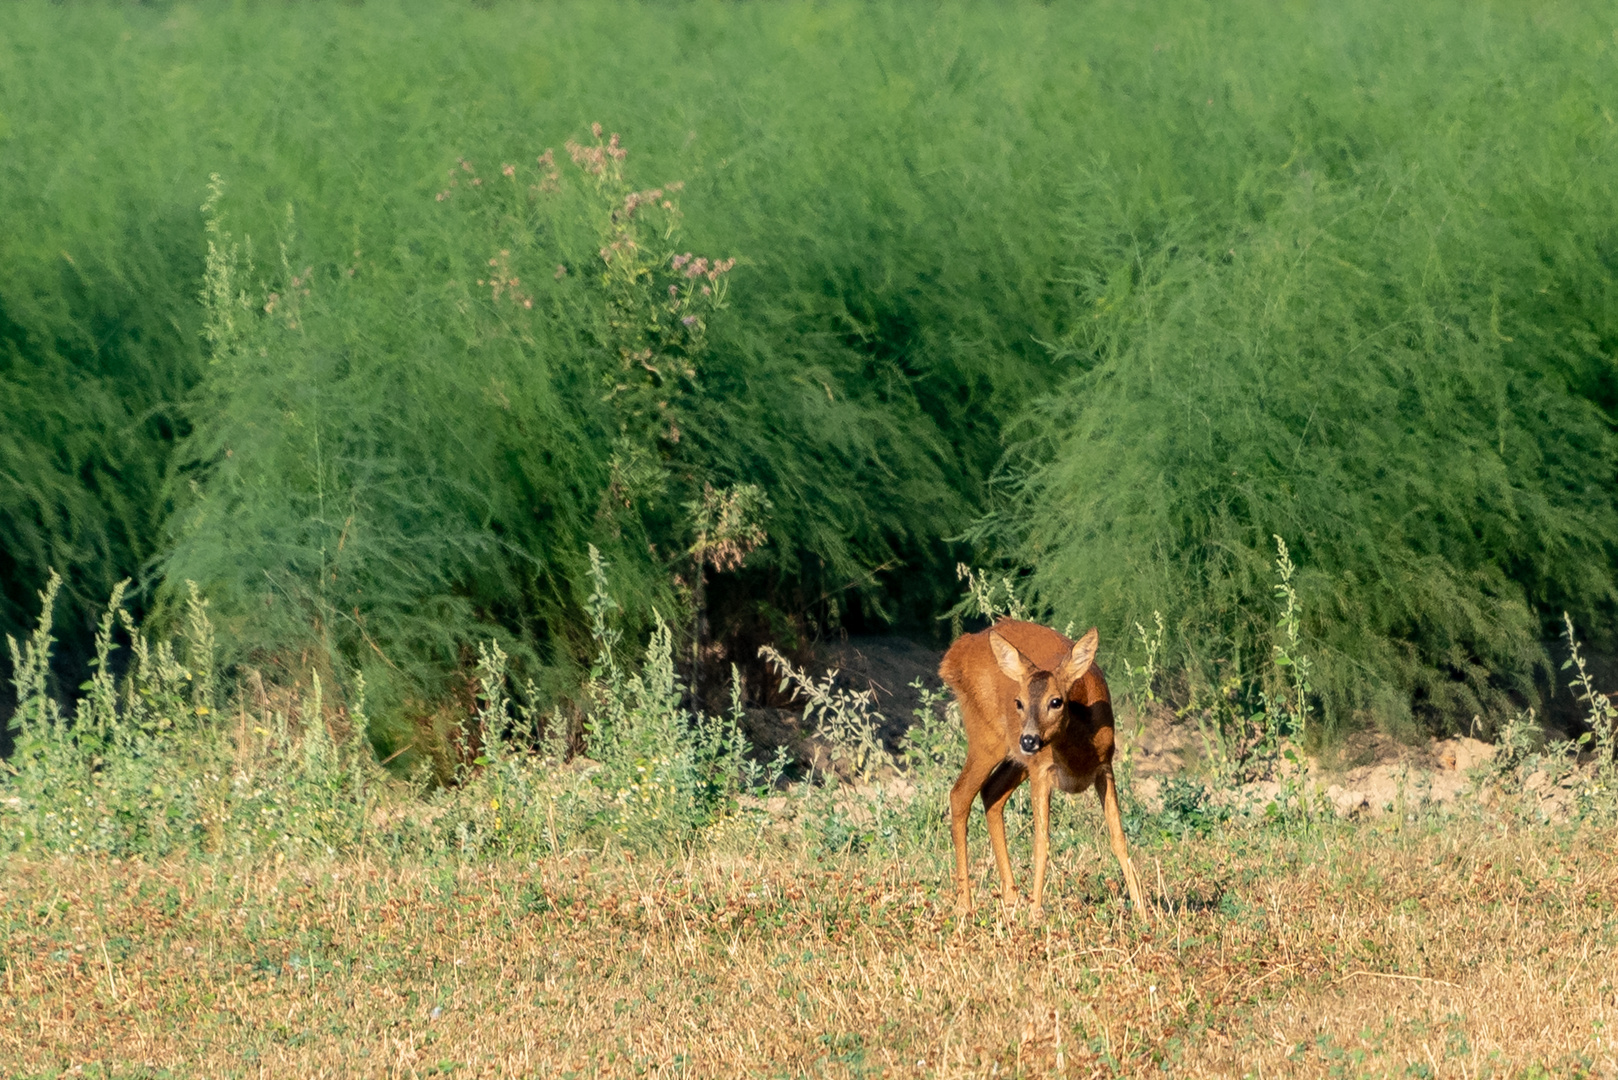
1015, 665
1079, 660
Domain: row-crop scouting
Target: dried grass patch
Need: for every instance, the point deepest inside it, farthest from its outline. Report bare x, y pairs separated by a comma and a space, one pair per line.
1356, 951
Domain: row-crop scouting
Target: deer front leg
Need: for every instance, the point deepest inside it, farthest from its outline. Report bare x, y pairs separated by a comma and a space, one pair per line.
1107, 791
997, 791
1042, 781
966, 788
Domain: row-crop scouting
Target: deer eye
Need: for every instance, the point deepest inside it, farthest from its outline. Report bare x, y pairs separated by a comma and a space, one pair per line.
1019, 704
1056, 703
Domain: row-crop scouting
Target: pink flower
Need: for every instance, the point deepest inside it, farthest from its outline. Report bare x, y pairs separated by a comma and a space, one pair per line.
636, 199
595, 129
509, 170
689, 320
592, 159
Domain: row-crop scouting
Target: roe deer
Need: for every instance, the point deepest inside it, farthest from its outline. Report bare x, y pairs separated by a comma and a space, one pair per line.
1036, 706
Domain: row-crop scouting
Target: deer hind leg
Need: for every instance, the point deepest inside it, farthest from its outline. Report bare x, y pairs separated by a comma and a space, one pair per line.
997, 790
966, 788
1107, 791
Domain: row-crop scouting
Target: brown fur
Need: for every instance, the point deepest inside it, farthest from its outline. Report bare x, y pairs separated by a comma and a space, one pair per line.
1076, 740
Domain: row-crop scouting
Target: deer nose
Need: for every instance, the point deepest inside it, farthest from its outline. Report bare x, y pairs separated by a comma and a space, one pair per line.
1030, 743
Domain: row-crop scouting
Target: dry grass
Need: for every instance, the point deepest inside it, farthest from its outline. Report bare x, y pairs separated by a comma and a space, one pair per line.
1471, 950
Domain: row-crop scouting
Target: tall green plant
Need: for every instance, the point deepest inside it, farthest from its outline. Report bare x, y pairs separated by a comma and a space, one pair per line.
583, 410
146, 767
1261, 238
1600, 713
1344, 365
665, 772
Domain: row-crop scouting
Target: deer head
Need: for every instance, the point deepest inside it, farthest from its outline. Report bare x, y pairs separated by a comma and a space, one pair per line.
1042, 696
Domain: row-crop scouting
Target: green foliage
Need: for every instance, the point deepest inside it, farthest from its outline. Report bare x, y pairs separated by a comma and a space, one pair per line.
662, 773
934, 751
1186, 810
149, 765
1362, 330
1141, 681
379, 509
1342, 275
984, 598
845, 719
37, 715
92, 361
161, 762
1520, 741
146, 767
1601, 715
935, 744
